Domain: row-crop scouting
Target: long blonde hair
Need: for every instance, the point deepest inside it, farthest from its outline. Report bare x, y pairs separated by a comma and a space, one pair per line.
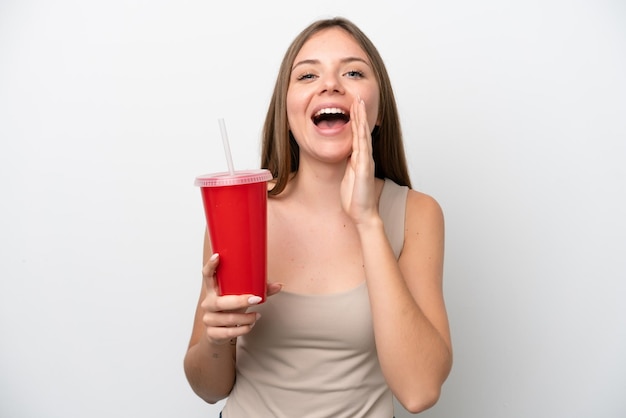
280, 152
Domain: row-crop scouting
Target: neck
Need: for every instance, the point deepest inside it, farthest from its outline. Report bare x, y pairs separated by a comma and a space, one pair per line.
317, 185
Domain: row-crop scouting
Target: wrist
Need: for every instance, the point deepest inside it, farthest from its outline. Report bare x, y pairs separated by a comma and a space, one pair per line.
211, 344
221, 344
369, 224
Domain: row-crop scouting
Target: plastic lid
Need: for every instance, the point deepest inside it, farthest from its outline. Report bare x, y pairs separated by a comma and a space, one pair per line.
226, 179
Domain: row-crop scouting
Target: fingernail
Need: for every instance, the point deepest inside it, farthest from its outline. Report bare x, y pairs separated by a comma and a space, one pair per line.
258, 315
253, 300
214, 257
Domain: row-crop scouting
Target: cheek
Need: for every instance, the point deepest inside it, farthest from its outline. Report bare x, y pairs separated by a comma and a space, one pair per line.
372, 114
372, 106
295, 106
290, 110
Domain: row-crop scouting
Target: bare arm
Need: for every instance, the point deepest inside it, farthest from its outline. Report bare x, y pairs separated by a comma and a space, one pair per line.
406, 296
210, 359
210, 369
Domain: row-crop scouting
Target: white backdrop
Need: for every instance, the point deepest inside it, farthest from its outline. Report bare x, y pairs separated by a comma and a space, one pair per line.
515, 120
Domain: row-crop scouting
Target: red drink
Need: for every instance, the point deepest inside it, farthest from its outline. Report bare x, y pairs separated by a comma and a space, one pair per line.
235, 207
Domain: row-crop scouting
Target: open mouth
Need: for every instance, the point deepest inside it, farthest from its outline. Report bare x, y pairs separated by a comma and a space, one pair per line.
330, 117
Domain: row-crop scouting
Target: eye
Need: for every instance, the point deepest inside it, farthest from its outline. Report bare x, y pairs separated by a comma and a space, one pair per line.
305, 76
354, 74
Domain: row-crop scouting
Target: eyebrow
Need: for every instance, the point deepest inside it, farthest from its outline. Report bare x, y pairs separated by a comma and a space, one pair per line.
343, 61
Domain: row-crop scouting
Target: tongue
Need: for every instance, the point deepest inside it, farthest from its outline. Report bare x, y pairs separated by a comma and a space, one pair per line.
330, 123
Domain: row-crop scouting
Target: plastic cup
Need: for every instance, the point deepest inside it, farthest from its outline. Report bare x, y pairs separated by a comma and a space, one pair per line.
235, 206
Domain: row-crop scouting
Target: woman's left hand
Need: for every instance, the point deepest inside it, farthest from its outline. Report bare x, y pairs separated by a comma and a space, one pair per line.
358, 193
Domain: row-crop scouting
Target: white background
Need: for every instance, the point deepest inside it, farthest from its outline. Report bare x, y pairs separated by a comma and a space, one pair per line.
515, 120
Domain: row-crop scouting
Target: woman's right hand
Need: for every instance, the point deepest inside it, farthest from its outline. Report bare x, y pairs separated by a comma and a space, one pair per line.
226, 317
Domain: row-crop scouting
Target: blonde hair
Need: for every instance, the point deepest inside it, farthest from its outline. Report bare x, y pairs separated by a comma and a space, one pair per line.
280, 152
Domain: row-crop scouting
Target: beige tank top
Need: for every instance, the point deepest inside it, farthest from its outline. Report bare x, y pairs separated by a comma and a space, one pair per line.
314, 355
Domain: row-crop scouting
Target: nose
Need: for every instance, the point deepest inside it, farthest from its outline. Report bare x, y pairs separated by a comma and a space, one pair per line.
331, 83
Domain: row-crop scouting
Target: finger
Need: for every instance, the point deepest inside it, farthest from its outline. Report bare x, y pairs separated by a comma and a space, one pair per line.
354, 124
230, 303
208, 272
273, 288
230, 319
362, 160
241, 326
360, 128
221, 336
366, 134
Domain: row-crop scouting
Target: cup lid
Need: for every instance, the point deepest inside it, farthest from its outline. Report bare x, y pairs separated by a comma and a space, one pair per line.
227, 179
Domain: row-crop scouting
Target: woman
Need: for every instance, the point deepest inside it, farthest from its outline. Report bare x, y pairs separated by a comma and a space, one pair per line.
355, 257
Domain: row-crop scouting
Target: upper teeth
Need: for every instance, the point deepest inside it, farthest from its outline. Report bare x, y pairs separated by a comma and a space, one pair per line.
329, 110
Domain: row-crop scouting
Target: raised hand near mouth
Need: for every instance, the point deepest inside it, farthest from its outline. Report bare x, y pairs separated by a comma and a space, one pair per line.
358, 193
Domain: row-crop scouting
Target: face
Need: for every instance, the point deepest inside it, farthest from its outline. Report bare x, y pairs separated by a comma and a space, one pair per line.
328, 73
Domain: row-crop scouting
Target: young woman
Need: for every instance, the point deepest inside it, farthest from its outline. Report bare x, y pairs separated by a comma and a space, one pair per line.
356, 313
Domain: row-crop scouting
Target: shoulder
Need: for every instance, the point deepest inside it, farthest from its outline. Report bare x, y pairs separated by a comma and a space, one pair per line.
424, 237
423, 212
416, 200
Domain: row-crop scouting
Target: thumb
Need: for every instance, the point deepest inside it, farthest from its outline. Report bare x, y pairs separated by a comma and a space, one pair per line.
208, 272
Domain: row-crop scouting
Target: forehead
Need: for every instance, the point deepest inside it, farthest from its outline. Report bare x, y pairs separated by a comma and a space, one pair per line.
331, 42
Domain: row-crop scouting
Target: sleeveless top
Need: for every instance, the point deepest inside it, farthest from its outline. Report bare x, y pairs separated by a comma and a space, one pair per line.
314, 356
